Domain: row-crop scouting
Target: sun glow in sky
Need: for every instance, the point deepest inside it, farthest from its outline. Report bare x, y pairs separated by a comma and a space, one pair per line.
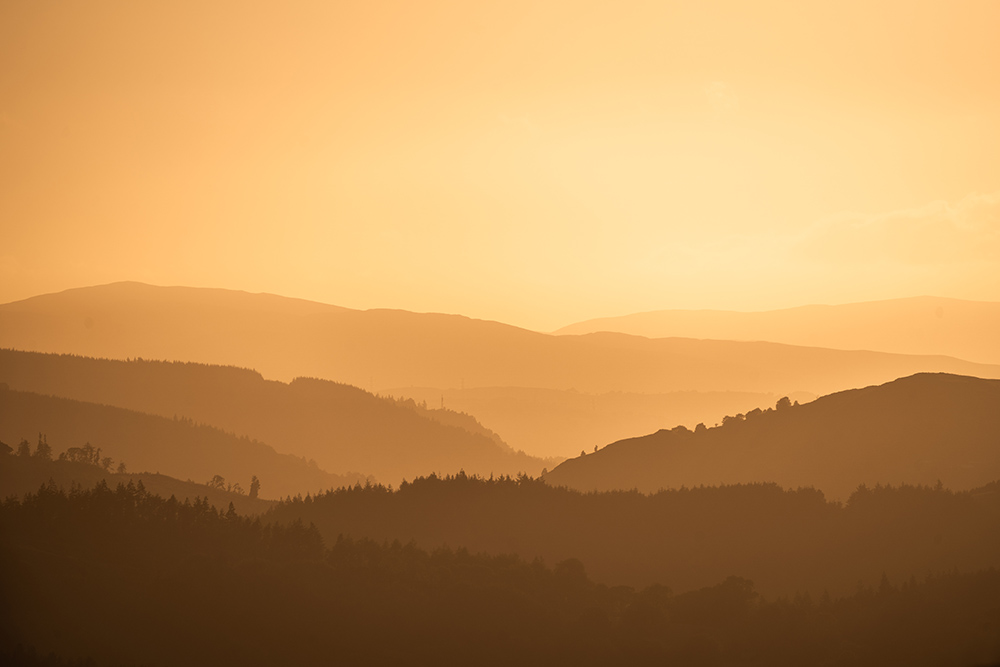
531, 162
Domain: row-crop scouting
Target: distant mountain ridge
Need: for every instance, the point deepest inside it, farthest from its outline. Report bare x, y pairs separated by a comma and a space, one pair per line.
341, 427
919, 430
283, 339
387, 348
967, 330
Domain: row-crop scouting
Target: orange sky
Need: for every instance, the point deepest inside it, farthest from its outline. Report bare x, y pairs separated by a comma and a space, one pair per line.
531, 162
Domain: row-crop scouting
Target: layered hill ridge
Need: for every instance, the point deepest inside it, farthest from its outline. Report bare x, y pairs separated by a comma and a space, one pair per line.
919, 430
341, 427
917, 325
178, 448
391, 348
383, 350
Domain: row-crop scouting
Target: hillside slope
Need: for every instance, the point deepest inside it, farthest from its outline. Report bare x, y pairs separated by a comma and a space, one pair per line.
917, 430
342, 428
147, 443
20, 475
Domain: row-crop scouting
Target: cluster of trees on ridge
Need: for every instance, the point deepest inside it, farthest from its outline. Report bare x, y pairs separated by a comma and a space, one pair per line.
89, 454
85, 454
123, 576
174, 446
23, 469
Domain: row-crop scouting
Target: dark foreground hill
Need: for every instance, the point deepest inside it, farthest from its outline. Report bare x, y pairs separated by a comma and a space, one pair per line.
341, 427
917, 430
123, 577
786, 541
147, 443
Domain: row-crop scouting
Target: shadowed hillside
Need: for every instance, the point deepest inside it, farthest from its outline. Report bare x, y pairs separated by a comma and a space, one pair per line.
919, 325
175, 447
119, 576
342, 428
918, 429
786, 541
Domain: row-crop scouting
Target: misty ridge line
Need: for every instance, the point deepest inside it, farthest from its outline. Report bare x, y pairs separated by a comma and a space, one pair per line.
648, 324
381, 342
916, 325
287, 338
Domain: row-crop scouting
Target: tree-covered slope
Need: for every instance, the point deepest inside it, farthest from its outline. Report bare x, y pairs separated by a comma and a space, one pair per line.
785, 540
179, 448
121, 576
341, 427
917, 429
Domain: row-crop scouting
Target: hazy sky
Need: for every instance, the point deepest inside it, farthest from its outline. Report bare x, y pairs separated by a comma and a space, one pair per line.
531, 162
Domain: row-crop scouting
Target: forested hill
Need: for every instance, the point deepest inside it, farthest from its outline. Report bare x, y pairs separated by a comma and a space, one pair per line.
785, 540
918, 430
341, 427
147, 443
120, 576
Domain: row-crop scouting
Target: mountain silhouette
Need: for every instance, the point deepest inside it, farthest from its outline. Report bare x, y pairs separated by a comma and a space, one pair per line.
393, 348
918, 325
378, 349
147, 443
341, 427
919, 430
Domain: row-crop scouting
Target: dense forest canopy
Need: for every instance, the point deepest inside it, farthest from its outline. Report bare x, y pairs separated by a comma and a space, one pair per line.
123, 576
787, 541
